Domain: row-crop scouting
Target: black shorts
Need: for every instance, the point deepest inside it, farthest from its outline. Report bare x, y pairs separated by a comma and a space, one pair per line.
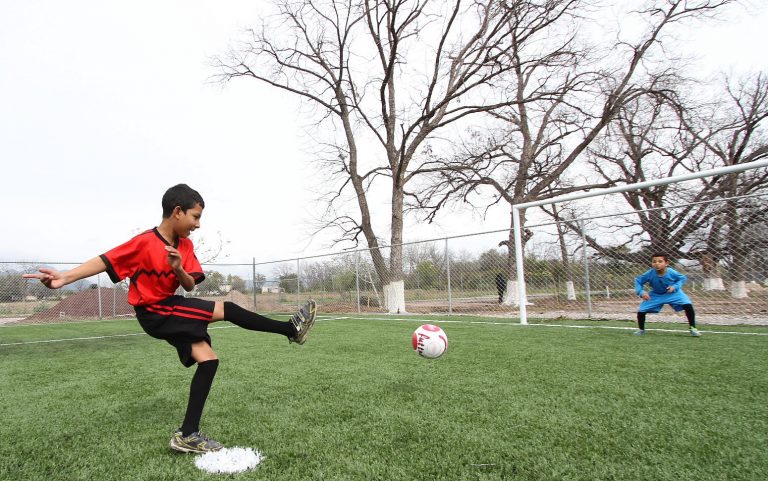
180, 321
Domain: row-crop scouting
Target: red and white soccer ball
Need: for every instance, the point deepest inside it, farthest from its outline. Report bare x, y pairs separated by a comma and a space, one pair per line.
430, 341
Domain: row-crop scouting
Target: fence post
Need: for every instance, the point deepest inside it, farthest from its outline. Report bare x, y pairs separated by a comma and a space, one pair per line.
357, 280
448, 272
24, 295
253, 282
586, 269
98, 293
298, 283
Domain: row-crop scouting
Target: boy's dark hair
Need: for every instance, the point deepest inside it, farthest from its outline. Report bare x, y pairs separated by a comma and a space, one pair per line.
180, 195
660, 254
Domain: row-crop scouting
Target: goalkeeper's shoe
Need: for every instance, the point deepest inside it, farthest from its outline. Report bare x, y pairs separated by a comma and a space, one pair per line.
639, 332
194, 443
303, 321
694, 332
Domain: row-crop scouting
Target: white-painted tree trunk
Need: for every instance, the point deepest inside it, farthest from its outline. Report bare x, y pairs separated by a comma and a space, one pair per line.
739, 290
571, 290
714, 284
511, 296
394, 297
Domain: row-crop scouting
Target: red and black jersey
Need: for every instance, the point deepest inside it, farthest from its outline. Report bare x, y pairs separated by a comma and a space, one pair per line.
144, 261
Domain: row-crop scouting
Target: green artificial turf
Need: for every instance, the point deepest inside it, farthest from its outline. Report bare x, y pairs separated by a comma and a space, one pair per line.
506, 402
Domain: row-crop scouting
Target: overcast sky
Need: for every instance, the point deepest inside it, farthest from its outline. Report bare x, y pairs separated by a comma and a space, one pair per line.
103, 105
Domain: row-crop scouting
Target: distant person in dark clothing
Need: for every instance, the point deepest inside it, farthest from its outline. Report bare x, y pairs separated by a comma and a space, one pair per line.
501, 285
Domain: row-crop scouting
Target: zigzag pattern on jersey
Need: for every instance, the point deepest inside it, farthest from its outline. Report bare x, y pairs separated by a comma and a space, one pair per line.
151, 272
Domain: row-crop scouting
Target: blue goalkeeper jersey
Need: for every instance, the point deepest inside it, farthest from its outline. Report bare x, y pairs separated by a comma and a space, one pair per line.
658, 292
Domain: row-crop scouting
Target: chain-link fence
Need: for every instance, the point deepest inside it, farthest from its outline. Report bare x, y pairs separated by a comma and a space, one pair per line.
28, 301
576, 266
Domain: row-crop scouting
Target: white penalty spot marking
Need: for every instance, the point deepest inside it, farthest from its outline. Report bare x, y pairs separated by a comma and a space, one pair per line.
229, 460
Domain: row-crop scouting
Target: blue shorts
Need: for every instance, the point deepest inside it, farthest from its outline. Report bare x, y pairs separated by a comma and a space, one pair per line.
677, 300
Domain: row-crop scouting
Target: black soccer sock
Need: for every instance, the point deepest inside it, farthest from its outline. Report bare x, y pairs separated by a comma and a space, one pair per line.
690, 314
641, 321
198, 393
255, 322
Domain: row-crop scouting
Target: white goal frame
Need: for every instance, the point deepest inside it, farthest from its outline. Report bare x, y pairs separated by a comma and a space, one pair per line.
519, 257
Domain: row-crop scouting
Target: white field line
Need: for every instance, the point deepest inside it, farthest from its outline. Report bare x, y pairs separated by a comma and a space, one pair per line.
511, 324
90, 338
49, 341
415, 320
111, 336
94, 321
45, 324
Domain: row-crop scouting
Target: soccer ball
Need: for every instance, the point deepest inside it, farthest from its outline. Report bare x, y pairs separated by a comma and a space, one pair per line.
430, 341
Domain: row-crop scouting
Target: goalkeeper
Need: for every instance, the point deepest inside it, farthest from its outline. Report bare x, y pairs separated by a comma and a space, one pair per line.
666, 287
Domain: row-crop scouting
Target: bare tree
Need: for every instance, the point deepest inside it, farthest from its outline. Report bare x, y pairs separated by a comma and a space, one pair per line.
737, 135
385, 76
648, 140
562, 100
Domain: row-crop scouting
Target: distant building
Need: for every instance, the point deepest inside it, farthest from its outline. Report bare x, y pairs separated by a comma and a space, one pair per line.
272, 290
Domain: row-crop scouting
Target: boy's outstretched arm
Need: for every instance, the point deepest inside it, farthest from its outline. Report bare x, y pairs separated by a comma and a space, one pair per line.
54, 279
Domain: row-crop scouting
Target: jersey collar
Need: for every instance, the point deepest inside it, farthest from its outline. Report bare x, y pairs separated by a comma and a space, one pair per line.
160, 236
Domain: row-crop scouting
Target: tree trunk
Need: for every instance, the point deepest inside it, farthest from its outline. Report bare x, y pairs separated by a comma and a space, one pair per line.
394, 290
712, 279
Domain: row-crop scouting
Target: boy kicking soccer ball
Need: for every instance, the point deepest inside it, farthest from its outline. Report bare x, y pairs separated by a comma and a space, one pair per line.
666, 287
157, 262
